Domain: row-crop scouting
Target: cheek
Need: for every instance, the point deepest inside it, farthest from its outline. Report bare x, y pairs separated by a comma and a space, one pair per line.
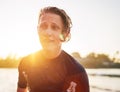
40, 36
57, 37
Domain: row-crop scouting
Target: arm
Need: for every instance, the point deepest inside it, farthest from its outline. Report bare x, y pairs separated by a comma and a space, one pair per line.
22, 82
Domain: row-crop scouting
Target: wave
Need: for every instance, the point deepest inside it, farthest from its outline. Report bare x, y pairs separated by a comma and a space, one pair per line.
108, 75
104, 89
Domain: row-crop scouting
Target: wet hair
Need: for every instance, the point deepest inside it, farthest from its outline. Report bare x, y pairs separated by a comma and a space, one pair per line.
67, 23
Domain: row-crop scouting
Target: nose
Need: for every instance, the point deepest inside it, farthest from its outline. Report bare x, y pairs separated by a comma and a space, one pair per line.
49, 31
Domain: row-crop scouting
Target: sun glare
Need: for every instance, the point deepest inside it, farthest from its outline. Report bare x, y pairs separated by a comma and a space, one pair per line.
19, 44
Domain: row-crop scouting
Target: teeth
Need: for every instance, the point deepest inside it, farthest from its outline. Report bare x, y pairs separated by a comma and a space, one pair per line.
47, 39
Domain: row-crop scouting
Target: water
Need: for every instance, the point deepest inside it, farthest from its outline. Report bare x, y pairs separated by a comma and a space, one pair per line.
104, 80
101, 80
8, 80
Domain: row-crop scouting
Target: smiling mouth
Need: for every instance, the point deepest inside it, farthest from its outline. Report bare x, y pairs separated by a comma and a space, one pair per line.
47, 41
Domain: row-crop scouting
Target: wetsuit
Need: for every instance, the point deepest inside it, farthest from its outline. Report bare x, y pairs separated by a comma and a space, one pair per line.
61, 74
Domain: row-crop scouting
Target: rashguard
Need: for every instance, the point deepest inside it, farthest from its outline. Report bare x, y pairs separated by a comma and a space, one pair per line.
61, 74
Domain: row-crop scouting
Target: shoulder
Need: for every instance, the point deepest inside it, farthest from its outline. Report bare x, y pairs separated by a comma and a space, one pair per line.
29, 59
31, 56
77, 76
72, 63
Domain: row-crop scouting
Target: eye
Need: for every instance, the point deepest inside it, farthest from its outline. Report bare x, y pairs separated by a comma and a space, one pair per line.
55, 27
43, 26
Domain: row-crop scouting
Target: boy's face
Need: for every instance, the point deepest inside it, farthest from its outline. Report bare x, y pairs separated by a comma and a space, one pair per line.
50, 27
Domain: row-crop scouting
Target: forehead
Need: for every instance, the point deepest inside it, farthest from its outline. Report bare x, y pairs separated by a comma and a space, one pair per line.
50, 17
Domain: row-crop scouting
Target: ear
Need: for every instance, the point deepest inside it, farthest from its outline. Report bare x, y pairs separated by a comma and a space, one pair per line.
64, 37
68, 36
38, 29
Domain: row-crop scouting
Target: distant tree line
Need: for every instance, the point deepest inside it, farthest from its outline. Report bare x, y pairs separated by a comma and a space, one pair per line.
92, 60
9, 62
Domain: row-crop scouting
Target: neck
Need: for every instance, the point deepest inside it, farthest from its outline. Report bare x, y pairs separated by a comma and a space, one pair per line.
51, 54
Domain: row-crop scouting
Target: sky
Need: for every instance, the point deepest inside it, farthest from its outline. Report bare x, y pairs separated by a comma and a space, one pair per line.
96, 26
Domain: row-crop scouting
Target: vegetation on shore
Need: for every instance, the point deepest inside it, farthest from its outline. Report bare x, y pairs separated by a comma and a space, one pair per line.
92, 60
9, 62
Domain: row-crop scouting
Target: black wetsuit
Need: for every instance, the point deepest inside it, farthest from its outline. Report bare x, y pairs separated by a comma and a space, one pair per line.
61, 74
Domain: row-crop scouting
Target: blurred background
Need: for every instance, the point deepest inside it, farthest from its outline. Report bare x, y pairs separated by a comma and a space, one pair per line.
95, 40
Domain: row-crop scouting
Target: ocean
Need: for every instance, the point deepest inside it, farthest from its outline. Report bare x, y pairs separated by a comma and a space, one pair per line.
100, 80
